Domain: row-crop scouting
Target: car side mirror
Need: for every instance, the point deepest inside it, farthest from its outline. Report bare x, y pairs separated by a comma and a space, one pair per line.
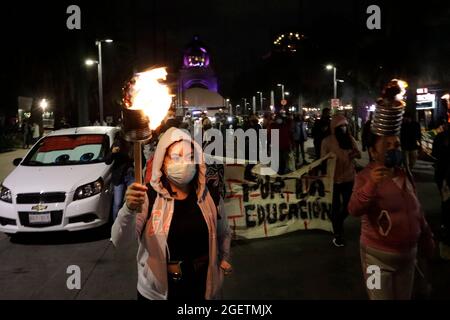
17, 161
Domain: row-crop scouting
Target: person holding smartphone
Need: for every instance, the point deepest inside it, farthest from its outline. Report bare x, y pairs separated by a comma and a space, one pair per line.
393, 226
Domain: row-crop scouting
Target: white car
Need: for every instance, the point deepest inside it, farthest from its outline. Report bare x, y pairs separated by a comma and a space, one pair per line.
63, 183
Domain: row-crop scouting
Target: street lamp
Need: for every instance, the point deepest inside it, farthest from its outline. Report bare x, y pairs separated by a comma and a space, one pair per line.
261, 99
91, 62
331, 67
282, 90
286, 93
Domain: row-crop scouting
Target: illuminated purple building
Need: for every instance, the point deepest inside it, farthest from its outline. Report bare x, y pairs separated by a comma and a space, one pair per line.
196, 71
197, 81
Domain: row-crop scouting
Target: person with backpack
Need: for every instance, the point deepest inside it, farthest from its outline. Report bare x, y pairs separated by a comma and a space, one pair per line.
300, 137
182, 229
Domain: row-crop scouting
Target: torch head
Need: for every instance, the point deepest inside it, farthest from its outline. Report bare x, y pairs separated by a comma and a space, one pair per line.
146, 102
390, 108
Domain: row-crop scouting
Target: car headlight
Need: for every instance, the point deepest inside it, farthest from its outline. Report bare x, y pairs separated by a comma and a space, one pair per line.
88, 190
5, 194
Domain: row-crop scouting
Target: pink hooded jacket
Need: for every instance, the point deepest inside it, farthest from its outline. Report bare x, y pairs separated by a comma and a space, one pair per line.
391, 216
151, 257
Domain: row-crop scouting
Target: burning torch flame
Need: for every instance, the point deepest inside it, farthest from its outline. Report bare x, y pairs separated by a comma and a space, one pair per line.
403, 85
151, 96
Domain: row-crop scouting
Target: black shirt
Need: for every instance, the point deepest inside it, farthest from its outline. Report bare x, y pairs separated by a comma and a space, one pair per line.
410, 135
188, 234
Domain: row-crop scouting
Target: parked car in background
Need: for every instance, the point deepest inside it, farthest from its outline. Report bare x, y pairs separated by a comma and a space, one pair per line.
63, 183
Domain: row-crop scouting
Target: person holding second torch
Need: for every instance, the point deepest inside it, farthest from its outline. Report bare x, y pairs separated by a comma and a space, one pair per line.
184, 238
394, 232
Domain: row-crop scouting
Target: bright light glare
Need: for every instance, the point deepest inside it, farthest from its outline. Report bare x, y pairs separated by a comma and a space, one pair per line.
90, 62
43, 104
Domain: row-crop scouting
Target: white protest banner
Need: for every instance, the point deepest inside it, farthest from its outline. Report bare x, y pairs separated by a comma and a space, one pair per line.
275, 205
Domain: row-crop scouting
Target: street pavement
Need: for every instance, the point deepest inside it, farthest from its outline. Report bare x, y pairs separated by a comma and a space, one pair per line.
299, 265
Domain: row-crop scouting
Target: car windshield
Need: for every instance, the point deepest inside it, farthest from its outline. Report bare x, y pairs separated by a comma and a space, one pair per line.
68, 150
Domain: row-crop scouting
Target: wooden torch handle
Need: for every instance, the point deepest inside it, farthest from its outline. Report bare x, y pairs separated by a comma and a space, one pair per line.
138, 162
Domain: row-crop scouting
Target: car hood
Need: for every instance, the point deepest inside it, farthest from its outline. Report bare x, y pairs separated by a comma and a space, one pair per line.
30, 179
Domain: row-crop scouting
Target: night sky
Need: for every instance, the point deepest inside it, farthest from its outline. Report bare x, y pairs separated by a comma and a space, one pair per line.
42, 58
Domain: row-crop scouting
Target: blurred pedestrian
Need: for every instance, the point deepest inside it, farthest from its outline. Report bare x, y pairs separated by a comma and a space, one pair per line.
344, 146
284, 143
253, 124
300, 137
441, 154
410, 138
321, 129
366, 133
27, 134
267, 120
121, 156
352, 125
36, 132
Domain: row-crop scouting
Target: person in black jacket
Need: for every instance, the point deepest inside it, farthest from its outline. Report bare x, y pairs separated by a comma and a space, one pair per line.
441, 154
122, 169
321, 130
410, 138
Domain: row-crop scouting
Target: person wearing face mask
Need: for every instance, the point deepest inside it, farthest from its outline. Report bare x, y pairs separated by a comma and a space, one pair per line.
183, 234
344, 146
393, 226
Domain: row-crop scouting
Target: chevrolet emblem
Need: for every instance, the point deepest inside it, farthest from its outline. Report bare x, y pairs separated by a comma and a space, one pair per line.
39, 207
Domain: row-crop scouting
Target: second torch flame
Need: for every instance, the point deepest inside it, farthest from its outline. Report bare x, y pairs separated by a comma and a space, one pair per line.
151, 96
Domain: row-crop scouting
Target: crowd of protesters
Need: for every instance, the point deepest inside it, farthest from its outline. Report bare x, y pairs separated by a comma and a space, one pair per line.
396, 240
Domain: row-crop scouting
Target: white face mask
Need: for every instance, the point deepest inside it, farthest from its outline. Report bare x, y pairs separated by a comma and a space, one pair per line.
181, 173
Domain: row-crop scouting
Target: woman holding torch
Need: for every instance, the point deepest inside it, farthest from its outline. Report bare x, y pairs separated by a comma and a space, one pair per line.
184, 238
393, 227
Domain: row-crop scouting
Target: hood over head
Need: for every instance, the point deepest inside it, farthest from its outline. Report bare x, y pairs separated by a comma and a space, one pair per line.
171, 136
336, 121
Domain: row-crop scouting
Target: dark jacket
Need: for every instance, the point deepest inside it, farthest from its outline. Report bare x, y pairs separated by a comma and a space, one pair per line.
366, 134
410, 136
285, 132
122, 161
441, 152
321, 130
